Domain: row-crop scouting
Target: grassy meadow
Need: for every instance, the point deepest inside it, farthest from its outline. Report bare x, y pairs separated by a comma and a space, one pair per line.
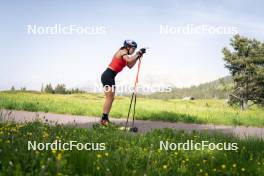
125, 153
174, 110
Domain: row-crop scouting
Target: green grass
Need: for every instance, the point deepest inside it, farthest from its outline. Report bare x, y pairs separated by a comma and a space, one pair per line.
197, 111
125, 154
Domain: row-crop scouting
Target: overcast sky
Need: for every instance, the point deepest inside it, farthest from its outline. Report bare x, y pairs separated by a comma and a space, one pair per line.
179, 58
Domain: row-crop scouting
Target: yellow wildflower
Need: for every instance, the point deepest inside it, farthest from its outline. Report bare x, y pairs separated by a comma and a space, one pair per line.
99, 156
59, 156
165, 167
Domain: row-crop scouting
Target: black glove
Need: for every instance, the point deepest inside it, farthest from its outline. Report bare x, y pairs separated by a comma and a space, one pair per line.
143, 50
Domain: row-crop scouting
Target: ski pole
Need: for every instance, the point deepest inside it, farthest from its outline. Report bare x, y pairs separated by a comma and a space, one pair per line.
135, 90
134, 96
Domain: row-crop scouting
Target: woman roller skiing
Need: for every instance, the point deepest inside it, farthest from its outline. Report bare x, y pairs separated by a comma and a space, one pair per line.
122, 58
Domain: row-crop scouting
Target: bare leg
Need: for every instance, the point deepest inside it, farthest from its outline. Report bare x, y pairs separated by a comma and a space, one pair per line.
109, 98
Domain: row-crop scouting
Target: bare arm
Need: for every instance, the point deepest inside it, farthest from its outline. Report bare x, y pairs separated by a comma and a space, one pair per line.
131, 61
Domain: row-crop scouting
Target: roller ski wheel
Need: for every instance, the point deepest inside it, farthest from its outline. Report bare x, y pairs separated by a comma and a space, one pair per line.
134, 129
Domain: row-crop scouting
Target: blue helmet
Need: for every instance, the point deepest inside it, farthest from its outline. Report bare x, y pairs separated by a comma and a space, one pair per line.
130, 43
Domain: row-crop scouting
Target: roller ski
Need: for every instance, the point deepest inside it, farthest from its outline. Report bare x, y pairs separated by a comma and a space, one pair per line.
105, 124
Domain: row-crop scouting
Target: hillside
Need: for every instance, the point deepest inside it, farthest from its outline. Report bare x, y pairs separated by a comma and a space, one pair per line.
214, 89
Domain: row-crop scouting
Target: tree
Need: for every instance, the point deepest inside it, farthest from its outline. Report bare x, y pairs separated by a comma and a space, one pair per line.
42, 88
60, 89
23, 88
13, 88
48, 89
246, 65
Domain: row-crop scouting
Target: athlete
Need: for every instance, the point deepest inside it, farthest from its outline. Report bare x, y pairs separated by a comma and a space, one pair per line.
122, 58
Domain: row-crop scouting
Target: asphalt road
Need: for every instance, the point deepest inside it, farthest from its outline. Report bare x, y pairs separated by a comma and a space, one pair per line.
143, 125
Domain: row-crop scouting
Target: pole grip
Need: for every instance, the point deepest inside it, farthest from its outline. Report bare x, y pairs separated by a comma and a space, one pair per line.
136, 81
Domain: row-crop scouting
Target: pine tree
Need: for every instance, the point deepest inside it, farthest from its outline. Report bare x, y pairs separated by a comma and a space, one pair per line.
246, 65
42, 88
13, 88
48, 89
60, 89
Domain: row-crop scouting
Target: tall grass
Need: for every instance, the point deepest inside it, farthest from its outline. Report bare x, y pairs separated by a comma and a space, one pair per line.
196, 111
125, 154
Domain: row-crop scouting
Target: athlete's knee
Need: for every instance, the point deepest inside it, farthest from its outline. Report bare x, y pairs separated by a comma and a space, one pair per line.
112, 97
